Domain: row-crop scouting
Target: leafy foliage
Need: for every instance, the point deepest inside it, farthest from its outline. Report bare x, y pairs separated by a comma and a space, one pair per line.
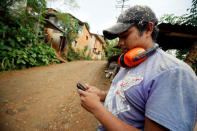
20, 44
87, 25
78, 55
182, 53
70, 25
5, 4
68, 4
37, 5
34, 55
171, 18
191, 18
110, 51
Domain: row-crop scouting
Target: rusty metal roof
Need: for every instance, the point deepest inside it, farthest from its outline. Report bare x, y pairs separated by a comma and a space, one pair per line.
49, 24
100, 37
176, 36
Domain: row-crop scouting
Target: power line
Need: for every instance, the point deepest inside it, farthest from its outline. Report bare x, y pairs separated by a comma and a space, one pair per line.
121, 4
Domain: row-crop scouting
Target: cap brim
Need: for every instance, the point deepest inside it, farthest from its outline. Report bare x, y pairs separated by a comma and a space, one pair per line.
115, 30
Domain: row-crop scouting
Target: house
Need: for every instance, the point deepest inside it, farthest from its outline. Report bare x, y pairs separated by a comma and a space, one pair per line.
83, 40
97, 46
54, 32
93, 42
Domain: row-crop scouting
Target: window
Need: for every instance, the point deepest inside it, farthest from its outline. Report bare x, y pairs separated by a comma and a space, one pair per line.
86, 37
95, 52
80, 31
52, 19
59, 24
75, 43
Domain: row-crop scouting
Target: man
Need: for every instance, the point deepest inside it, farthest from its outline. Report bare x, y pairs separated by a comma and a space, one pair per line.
158, 94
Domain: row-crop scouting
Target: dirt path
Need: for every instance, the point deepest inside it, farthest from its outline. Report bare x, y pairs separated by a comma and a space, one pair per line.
45, 98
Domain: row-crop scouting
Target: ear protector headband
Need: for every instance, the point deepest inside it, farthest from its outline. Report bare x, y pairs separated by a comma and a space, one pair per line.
135, 56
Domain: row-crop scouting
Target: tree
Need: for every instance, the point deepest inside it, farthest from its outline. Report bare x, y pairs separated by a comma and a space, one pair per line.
20, 45
171, 18
70, 25
191, 18
110, 51
69, 4
87, 25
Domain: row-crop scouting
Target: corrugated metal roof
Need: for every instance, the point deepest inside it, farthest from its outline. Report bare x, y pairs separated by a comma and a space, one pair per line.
49, 24
186, 29
101, 39
176, 36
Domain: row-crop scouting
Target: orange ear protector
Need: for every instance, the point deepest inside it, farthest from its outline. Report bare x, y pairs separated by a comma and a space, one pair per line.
135, 56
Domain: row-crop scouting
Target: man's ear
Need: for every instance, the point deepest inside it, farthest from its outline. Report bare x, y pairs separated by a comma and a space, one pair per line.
149, 30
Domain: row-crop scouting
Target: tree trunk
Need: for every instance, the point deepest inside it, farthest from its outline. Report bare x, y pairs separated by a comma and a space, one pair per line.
190, 59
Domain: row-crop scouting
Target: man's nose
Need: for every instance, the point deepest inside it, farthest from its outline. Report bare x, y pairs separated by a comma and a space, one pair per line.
120, 43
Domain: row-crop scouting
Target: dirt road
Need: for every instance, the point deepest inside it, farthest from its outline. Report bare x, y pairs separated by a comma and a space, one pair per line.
45, 98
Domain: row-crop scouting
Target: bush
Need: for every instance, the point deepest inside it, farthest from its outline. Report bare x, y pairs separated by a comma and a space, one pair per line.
20, 46
34, 55
78, 55
72, 55
110, 51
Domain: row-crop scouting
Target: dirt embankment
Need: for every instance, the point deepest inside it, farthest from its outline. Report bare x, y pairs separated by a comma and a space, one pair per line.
45, 98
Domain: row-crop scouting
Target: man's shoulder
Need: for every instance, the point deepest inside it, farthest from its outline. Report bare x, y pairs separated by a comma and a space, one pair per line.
159, 62
164, 61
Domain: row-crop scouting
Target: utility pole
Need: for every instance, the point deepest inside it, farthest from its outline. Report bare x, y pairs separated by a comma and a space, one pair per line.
121, 4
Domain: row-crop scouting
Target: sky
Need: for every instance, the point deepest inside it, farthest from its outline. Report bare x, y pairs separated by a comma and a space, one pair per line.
101, 14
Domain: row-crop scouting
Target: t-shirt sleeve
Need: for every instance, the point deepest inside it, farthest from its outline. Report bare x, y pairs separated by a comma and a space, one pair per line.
172, 100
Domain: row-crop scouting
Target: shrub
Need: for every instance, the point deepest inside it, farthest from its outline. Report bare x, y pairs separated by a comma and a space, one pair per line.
20, 45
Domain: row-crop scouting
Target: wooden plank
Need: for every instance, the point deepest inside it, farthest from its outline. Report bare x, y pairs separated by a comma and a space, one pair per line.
181, 35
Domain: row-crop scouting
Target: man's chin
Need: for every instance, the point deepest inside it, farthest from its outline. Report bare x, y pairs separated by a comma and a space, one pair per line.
124, 51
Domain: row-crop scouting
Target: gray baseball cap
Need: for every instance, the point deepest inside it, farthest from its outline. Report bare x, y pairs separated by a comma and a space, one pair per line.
132, 16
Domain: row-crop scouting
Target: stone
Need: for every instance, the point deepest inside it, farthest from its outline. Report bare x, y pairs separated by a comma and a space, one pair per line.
11, 112
3, 101
67, 126
75, 110
22, 108
50, 127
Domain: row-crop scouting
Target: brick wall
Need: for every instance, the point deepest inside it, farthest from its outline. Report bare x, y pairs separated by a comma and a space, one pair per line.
82, 40
96, 52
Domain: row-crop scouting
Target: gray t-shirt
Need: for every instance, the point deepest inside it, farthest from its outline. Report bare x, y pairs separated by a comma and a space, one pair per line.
162, 88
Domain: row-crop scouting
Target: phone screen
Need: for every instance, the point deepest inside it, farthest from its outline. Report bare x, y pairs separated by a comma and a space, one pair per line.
81, 87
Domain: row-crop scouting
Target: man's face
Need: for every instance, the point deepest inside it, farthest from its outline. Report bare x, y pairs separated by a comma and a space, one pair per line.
131, 39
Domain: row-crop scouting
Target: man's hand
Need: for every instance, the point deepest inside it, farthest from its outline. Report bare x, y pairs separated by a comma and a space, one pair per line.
100, 93
90, 101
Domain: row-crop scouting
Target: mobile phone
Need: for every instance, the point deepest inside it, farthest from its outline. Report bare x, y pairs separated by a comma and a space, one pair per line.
81, 87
